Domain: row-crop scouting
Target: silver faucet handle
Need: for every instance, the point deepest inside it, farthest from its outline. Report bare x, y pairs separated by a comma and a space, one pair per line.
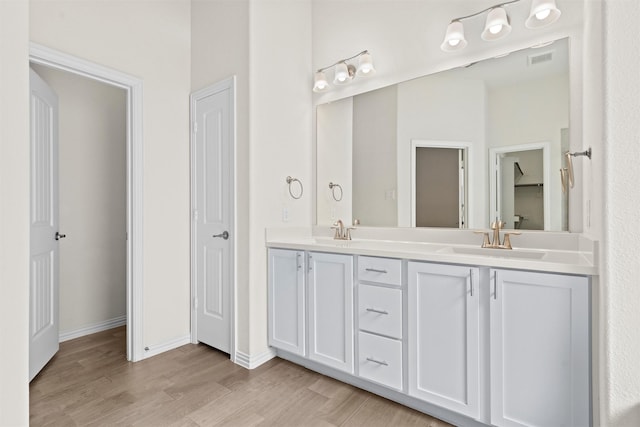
336, 236
356, 222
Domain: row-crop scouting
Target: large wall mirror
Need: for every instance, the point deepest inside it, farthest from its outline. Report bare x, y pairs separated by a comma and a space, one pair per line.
454, 149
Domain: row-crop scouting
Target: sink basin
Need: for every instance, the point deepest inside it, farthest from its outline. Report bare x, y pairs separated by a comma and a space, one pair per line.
496, 253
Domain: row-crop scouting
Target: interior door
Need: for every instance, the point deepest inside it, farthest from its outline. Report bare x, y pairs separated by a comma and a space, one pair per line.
212, 112
43, 281
437, 187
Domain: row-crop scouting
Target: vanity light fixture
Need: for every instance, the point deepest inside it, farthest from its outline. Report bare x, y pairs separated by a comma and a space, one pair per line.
498, 24
344, 71
543, 13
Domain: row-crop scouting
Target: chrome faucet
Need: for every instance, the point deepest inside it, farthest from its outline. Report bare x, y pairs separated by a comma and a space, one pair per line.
495, 242
342, 232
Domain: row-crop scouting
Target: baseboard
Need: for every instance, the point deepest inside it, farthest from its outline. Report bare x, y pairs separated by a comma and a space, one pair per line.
252, 362
93, 328
156, 349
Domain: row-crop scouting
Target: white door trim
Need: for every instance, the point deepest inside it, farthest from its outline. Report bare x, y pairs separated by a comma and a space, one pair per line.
494, 201
39, 54
226, 84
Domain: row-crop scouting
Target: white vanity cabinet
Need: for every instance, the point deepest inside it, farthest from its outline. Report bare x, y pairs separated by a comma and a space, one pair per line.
539, 333
443, 335
330, 303
286, 298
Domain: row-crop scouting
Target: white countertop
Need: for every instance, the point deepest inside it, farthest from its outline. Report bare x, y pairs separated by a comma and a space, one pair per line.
535, 259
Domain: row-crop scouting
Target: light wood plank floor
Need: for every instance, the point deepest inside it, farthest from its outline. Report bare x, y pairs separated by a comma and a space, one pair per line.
90, 383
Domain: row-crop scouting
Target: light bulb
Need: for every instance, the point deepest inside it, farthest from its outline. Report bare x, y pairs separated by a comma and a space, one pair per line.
542, 14
497, 25
454, 37
365, 65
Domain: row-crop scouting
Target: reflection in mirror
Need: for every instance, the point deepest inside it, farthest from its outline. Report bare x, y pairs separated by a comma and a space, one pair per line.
495, 106
439, 184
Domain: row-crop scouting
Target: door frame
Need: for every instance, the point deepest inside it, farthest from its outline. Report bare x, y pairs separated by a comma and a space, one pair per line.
230, 84
469, 184
494, 190
42, 55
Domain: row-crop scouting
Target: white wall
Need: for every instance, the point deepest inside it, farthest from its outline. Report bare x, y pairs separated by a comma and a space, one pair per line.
443, 109
252, 40
14, 213
280, 134
334, 159
620, 266
150, 40
220, 49
522, 114
92, 202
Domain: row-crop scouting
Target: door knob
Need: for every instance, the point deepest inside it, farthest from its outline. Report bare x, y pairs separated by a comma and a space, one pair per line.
224, 235
60, 236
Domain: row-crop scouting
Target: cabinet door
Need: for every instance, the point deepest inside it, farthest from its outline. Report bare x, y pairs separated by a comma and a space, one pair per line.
443, 326
286, 300
331, 310
539, 349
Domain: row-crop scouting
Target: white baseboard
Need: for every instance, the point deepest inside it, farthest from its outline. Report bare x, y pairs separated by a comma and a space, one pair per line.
252, 362
93, 328
156, 349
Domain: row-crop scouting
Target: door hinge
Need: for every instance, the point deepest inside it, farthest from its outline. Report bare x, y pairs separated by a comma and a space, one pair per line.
195, 127
195, 214
195, 303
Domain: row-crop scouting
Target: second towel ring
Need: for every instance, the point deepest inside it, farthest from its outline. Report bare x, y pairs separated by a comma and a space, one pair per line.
292, 193
333, 186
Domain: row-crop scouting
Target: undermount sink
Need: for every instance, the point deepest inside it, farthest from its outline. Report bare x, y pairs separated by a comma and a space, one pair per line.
498, 253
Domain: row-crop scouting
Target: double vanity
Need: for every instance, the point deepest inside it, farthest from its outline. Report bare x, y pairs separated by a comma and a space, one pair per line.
470, 335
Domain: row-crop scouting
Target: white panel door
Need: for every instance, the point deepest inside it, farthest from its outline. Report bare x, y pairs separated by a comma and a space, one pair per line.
443, 325
539, 349
330, 299
286, 300
43, 292
212, 113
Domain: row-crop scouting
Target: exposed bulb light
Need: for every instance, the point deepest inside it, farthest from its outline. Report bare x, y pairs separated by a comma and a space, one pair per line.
320, 83
365, 65
344, 71
454, 37
543, 13
497, 25
340, 73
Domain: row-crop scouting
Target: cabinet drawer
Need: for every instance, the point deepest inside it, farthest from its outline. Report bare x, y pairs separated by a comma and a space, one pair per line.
380, 270
380, 359
380, 310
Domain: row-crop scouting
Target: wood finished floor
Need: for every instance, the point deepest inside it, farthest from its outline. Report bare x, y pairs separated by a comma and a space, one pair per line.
90, 383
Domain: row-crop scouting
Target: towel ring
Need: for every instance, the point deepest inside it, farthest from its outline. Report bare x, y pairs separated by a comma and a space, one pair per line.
333, 186
292, 193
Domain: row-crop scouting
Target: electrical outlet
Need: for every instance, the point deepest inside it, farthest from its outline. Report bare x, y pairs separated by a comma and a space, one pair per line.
285, 214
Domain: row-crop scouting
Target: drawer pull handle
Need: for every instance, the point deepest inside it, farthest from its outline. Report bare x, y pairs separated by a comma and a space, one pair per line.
383, 363
373, 310
375, 270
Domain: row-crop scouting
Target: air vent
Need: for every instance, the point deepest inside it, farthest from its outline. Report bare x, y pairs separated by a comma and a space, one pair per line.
540, 58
